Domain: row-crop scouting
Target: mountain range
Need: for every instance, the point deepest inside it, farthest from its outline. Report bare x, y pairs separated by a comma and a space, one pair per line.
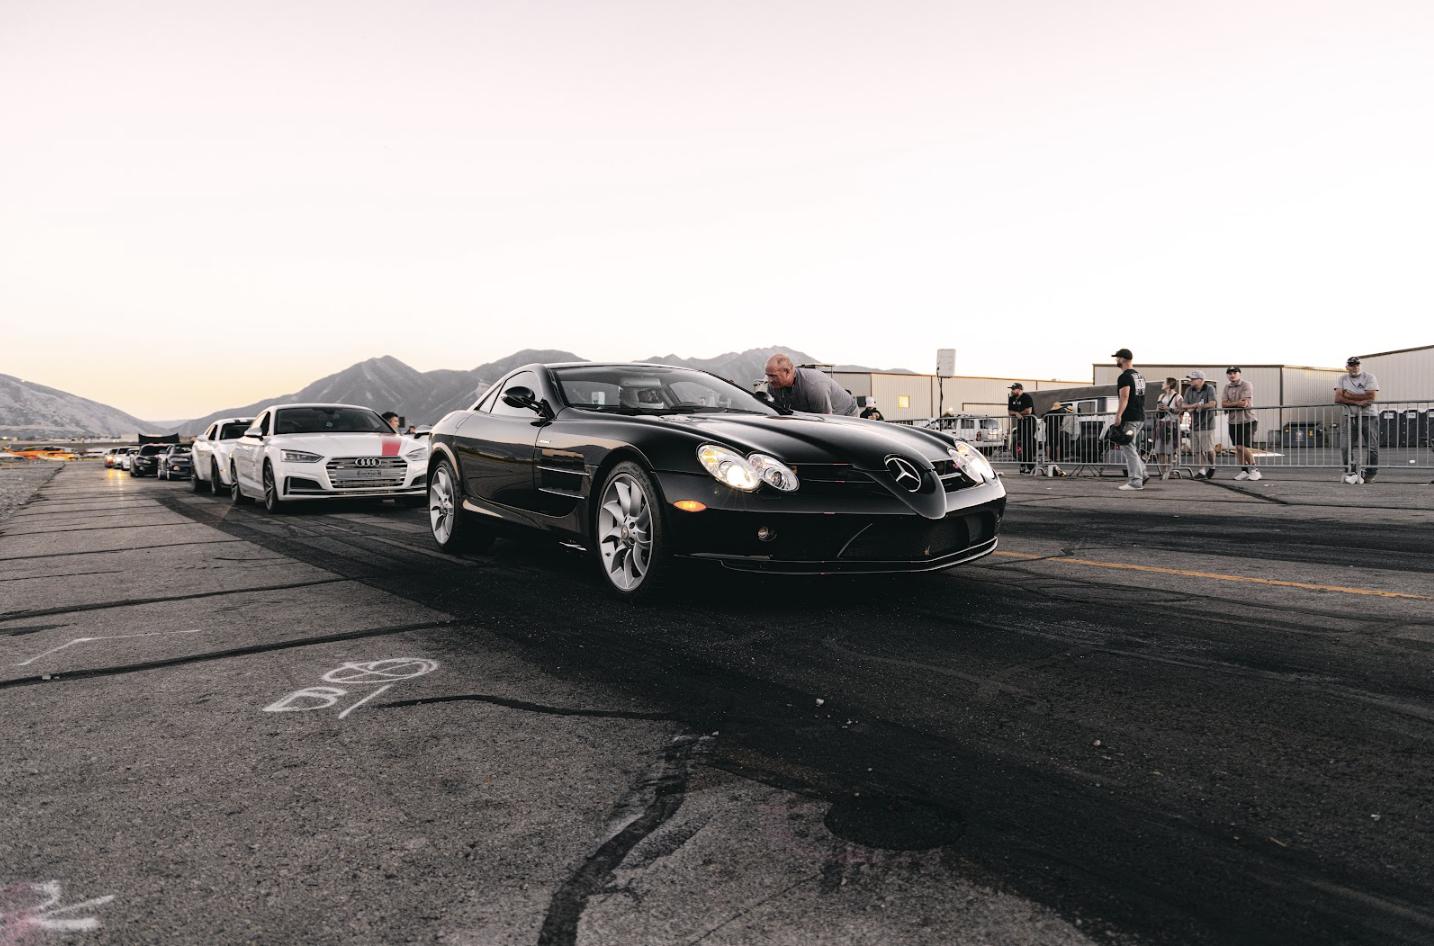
31, 411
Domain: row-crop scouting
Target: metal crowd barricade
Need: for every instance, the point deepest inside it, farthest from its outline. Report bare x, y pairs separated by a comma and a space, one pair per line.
1397, 435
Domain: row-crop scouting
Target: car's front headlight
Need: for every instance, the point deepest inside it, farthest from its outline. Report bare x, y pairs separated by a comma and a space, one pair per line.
300, 456
773, 472
972, 462
729, 467
417, 453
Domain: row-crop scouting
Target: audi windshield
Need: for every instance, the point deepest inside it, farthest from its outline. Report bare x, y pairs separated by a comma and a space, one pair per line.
329, 420
647, 389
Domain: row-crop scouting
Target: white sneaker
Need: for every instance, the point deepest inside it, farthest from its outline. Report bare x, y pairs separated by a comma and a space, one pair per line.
1350, 478
1129, 488
1242, 475
1359, 481
1255, 474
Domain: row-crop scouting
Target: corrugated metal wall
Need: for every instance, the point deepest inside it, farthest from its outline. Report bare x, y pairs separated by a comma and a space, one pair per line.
890, 389
1310, 385
1405, 375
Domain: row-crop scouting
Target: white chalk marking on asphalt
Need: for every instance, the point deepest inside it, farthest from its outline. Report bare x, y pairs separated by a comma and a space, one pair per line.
361, 702
381, 671
388, 672
44, 914
103, 637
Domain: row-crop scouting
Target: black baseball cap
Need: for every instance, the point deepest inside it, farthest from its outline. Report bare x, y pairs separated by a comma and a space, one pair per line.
1352, 360
1123, 353
1233, 368
1018, 386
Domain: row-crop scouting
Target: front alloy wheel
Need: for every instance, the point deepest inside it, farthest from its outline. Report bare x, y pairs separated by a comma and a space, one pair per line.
629, 532
272, 503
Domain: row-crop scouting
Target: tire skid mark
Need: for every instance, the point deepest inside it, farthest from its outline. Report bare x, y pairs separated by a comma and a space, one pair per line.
167, 545
530, 707
667, 790
208, 656
157, 599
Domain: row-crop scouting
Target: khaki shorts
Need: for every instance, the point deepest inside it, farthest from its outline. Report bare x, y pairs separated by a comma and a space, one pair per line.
1202, 441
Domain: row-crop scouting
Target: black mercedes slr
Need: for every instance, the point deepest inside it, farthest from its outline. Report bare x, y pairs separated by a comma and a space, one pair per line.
640, 465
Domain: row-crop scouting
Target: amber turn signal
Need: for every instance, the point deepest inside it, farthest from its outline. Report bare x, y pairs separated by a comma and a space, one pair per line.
690, 505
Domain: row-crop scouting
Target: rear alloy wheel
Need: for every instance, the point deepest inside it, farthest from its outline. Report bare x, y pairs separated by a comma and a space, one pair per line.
631, 544
195, 483
454, 530
272, 502
236, 495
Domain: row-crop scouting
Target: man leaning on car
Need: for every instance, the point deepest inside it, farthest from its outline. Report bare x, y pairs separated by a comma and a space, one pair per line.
806, 389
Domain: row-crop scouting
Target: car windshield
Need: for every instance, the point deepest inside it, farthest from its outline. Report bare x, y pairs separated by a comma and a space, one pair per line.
647, 389
329, 420
234, 431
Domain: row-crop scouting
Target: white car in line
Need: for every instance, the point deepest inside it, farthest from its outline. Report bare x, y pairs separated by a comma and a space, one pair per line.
211, 453
326, 451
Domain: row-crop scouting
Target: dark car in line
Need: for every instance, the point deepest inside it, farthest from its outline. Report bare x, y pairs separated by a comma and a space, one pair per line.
640, 465
144, 460
176, 463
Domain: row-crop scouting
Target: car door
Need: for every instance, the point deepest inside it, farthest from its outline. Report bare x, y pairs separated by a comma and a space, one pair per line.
248, 453
496, 447
199, 453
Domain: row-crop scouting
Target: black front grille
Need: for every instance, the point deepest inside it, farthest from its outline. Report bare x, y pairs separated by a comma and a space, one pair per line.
907, 540
835, 480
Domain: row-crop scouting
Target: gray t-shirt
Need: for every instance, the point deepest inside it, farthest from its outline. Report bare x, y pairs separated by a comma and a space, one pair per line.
1204, 419
1238, 392
816, 393
1361, 383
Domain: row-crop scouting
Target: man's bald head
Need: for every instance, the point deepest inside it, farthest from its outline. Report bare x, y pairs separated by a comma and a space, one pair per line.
780, 371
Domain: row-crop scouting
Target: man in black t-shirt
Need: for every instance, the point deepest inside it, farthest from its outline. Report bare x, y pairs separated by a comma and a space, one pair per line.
1022, 411
1130, 417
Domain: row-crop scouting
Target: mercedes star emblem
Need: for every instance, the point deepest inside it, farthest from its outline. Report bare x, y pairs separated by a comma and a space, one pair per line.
905, 474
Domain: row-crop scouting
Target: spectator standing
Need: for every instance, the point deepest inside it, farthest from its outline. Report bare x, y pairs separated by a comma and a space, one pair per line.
1239, 396
1357, 390
1021, 408
806, 389
1168, 408
1200, 403
1060, 434
1130, 418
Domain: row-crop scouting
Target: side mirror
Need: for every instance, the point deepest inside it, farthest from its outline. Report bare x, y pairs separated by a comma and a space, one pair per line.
519, 396
254, 432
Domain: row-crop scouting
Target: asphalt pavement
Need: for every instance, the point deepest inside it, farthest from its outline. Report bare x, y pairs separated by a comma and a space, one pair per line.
1200, 714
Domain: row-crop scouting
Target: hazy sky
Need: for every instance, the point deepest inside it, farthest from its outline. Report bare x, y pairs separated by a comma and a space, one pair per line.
234, 199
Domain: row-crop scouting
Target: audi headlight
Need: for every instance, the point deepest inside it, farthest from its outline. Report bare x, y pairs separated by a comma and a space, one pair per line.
773, 472
300, 456
972, 462
728, 467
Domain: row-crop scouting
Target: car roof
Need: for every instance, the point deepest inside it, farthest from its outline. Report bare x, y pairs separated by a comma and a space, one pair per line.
279, 407
233, 420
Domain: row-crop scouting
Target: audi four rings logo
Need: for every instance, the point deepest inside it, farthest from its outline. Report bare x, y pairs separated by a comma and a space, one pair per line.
905, 474
366, 461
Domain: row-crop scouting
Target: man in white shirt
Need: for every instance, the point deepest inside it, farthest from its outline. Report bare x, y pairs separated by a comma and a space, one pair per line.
1357, 390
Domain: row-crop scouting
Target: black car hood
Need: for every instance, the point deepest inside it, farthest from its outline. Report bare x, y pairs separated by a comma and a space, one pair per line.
799, 439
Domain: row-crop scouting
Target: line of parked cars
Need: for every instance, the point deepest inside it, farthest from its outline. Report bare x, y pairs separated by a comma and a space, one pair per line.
637, 465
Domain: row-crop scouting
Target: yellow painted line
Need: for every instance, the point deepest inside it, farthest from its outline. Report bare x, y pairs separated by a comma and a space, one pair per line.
1219, 576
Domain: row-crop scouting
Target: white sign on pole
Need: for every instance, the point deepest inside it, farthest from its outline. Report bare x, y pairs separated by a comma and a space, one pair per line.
946, 362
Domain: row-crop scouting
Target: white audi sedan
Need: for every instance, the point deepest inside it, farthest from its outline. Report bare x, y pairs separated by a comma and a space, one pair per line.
326, 451
211, 453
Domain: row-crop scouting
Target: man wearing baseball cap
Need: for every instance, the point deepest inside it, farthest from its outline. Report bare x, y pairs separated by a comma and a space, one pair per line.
1130, 418
1201, 405
1239, 396
1357, 390
1021, 409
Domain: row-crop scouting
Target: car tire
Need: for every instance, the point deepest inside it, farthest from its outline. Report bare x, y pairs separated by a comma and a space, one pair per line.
195, 483
453, 529
630, 534
236, 495
216, 482
272, 503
